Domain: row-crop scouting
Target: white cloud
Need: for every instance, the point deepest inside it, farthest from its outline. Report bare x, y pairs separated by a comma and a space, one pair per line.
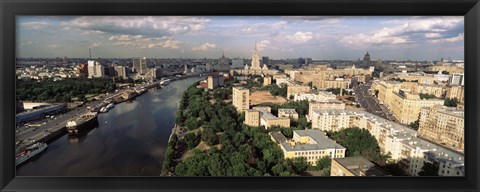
138, 25
140, 41
263, 44
96, 44
261, 29
459, 37
204, 47
53, 46
170, 44
35, 25
89, 32
403, 32
433, 35
300, 37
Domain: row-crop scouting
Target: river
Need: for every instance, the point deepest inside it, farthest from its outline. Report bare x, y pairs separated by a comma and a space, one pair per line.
130, 140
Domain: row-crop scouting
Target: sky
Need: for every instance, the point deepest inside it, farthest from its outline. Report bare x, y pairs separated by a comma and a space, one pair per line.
278, 37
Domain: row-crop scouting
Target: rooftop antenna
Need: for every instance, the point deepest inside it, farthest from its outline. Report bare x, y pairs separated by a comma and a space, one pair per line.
90, 51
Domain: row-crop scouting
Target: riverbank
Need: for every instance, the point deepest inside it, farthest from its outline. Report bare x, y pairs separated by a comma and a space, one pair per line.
130, 140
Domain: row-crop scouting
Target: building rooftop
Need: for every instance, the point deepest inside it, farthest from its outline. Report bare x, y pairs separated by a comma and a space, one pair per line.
358, 165
332, 112
287, 111
278, 137
320, 141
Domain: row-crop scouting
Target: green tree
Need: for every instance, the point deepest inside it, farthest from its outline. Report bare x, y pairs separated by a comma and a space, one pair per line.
300, 164
191, 123
209, 137
429, 169
450, 102
414, 125
324, 163
359, 142
191, 139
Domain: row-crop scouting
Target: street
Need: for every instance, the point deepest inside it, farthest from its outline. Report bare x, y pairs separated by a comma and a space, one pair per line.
369, 102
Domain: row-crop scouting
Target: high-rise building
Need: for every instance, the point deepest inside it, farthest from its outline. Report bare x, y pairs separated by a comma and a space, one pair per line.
99, 70
366, 59
255, 59
95, 69
215, 81
457, 79
140, 65
241, 98
265, 60
223, 64
379, 62
109, 71
120, 71
237, 63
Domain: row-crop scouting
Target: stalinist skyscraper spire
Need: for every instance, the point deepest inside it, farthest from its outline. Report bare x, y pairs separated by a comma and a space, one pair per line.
255, 59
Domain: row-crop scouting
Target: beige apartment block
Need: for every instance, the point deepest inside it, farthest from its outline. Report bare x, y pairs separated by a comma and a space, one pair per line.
296, 89
290, 113
456, 92
241, 98
326, 84
331, 120
450, 68
443, 125
262, 116
436, 90
267, 81
386, 90
252, 117
309, 144
406, 106
321, 96
355, 166
324, 105
401, 142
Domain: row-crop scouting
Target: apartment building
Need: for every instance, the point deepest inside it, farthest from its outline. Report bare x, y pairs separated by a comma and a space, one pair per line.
332, 104
386, 90
325, 84
457, 92
436, 90
252, 117
284, 80
267, 81
443, 125
290, 113
241, 98
262, 116
355, 166
408, 150
215, 81
296, 89
309, 144
331, 120
406, 106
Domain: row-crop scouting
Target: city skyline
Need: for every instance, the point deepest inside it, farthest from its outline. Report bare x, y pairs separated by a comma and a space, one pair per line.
317, 37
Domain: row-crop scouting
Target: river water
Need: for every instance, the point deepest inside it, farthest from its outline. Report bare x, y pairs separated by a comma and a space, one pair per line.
130, 140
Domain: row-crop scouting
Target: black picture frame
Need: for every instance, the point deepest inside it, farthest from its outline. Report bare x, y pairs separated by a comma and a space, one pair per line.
9, 9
